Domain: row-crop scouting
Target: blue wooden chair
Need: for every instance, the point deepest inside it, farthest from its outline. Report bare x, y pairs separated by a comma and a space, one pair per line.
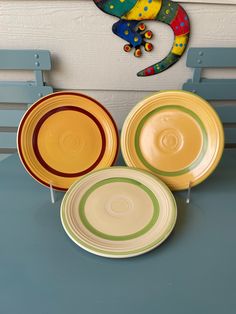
215, 89
18, 95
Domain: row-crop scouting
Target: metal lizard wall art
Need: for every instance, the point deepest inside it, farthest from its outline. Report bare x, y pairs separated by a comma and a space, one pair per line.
131, 29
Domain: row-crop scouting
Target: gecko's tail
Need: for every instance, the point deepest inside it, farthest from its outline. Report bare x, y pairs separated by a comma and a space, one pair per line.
175, 16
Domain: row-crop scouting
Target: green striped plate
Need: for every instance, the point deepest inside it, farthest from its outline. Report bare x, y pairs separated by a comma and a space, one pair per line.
118, 212
175, 135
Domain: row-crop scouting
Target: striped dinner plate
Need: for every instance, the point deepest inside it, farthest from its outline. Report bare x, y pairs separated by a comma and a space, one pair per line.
175, 135
64, 136
118, 212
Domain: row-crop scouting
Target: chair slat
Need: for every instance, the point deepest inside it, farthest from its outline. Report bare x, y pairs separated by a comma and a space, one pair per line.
8, 151
8, 129
11, 106
25, 60
213, 89
211, 57
227, 113
22, 94
230, 135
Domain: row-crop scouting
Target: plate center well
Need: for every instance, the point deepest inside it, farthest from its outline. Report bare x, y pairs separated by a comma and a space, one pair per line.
119, 208
69, 141
119, 205
170, 140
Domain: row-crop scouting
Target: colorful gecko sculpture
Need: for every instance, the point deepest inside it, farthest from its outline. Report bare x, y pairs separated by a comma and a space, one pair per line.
131, 12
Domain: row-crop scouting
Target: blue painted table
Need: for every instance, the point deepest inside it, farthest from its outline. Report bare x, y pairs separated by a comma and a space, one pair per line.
42, 271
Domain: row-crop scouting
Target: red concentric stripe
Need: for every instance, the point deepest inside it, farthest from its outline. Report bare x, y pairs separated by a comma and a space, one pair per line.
39, 156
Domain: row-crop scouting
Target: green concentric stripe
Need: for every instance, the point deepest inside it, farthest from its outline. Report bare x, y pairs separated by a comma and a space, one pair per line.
112, 237
171, 173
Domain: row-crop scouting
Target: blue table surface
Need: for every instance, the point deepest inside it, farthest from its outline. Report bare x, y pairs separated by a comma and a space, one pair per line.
42, 271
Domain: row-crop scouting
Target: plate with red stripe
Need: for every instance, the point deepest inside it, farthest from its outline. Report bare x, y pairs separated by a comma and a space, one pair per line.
64, 136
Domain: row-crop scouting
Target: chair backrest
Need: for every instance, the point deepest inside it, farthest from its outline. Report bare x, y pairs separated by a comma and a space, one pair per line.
18, 95
215, 89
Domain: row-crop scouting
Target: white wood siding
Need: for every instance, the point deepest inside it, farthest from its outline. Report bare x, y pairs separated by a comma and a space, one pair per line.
88, 57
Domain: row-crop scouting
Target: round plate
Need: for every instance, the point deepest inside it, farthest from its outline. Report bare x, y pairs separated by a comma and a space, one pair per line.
118, 212
64, 136
175, 135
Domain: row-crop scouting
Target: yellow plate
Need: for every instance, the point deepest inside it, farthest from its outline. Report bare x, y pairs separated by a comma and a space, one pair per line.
175, 135
64, 136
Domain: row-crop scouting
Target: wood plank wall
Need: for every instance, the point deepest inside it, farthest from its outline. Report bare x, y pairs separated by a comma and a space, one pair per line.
88, 57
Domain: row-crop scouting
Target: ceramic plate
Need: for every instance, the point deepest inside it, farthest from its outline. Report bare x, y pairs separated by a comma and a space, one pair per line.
175, 135
64, 136
118, 212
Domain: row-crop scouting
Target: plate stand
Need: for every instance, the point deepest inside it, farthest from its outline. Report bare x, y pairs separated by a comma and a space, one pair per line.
52, 194
188, 197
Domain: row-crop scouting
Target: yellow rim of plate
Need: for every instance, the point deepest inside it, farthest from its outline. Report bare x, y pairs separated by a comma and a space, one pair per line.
194, 109
64, 136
